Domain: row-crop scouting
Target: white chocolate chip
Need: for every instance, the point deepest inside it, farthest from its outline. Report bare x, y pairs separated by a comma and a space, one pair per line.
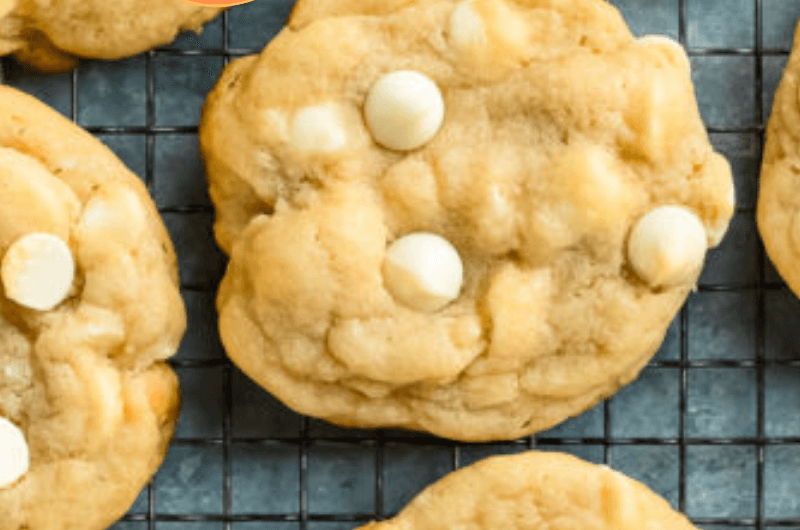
15, 460
404, 110
423, 271
667, 246
114, 213
466, 27
489, 32
38, 271
318, 129
275, 125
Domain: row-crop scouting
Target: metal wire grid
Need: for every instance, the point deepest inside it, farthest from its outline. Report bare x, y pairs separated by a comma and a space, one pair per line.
375, 442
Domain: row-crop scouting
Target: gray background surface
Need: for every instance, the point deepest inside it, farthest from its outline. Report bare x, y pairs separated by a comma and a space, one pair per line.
713, 424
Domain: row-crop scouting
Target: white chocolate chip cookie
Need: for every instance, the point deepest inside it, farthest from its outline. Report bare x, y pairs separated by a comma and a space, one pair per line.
475, 218
89, 312
778, 211
51, 35
536, 491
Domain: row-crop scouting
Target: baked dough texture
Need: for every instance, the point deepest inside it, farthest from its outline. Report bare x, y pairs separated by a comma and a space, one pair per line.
778, 210
51, 35
86, 382
536, 491
561, 130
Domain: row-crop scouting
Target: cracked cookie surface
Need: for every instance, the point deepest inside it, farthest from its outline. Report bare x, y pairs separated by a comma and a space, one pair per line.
535, 491
51, 35
86, 397
538, 138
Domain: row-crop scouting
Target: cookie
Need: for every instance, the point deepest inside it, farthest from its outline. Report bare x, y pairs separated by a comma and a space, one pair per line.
89, 311
536, 490
472, 218
778, 209
51, 36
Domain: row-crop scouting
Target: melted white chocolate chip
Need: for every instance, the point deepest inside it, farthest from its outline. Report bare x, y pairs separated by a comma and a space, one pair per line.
38, 271
15, 458
466, 27
318, 129
423, 271
667, 246
404, 110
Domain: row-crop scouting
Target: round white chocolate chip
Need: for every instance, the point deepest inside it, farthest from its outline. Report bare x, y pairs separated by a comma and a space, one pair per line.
318, 129
15, 458
38, 271
667, 246
423, 271
404, 110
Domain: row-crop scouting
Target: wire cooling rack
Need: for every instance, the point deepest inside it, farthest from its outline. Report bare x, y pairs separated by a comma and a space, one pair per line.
713, 424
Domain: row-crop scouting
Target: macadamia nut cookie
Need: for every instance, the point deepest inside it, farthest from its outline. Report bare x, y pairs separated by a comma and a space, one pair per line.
474, 218
89, 311
536, 491
51, 35
778, 211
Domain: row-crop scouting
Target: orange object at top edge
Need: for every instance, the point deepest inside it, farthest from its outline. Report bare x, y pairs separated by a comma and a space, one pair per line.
217, 3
